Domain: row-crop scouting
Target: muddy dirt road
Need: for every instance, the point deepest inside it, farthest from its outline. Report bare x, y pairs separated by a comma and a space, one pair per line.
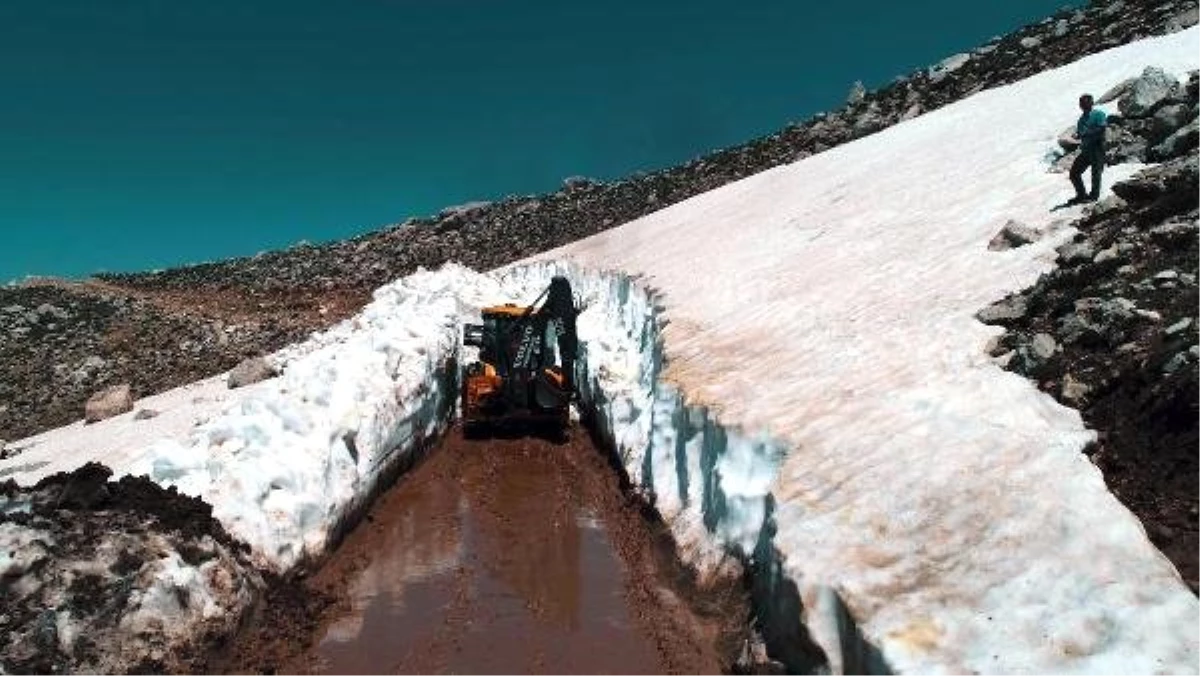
509, 555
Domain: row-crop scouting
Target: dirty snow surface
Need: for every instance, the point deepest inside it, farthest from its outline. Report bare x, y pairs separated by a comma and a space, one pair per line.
939, 501
114, 577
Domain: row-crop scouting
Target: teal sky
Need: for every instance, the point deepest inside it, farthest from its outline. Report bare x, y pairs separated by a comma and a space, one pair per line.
140, 134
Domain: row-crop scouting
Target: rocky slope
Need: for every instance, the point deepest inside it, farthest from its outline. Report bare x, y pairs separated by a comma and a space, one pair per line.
1112, 332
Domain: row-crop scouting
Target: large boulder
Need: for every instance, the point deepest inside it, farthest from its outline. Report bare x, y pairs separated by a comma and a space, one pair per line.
1013, 234
1174, 182
857, 93
107, 403
1009, 309
1146, 92
1185, 19
1177, 144
1125, 143
1116, 92
1067, 140
948, 65
250, 371
1167, 120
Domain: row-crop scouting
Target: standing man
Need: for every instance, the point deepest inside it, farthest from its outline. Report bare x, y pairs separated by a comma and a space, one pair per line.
1090, 131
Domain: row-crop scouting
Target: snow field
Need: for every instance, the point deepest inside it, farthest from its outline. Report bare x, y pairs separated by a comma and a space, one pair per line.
929, 502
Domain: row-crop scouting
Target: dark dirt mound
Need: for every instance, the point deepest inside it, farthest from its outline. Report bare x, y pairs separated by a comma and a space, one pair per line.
86, 567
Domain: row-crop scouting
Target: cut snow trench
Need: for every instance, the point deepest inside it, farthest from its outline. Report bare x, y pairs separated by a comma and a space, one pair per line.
711, 485
291, 467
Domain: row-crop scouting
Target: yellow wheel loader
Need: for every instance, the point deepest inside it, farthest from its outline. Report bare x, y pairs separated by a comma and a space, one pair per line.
525, 373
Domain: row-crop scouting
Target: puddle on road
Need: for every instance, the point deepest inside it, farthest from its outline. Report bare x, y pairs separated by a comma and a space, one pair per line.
486, 558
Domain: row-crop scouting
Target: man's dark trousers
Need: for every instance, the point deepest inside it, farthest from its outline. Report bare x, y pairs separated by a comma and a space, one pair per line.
1088, 157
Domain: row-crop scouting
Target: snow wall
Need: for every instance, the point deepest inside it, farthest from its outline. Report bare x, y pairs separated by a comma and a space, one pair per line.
291, 466
710, 484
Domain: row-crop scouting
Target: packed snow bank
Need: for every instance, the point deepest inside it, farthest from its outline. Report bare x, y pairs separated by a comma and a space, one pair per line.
288, 467
288, 463
119, 441
930, 503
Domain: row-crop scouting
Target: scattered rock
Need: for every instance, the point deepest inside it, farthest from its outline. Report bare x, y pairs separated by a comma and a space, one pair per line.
48, 310
1181, 141
1074, 391
463, 209
1013, 234
1116, 92
1126, 143
249, 371
1178, 327
1171, 183
1149, 314
857, 93
1171, 232
1069, 143
1167, 120
1013, 307
1076, 252
1179, 361
948, 65
1109, 254
1185, 19
145, 414
109, 402
1044, 346
576, 183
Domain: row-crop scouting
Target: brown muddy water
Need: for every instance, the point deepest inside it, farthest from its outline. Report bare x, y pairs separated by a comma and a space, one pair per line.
515, 555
